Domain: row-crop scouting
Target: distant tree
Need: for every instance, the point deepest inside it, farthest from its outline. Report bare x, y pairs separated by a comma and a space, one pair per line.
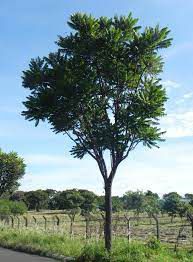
36, 200
189, 198
14, 208
151, 203
102, 89
134, 201
89, 203
4, 208
70, 201
18, 208
117, 203
18, 196
151, 194
12, 169
172, 204
151, 206
51, 194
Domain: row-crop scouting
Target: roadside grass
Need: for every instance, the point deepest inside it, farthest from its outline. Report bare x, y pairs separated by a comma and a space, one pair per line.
41, 243
58, 245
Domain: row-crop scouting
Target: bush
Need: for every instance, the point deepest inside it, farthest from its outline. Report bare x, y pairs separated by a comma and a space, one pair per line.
11, 208
18, 208
153, 243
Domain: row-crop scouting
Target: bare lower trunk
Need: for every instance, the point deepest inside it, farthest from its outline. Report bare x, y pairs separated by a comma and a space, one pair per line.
157, 226
108, 216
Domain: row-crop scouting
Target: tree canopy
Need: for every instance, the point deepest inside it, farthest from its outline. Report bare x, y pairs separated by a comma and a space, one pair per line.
101, 86
12, 168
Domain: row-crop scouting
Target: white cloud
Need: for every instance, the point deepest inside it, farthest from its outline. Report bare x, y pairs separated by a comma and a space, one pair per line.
46, 159
170, 85
178, 125
179, 49
188, 95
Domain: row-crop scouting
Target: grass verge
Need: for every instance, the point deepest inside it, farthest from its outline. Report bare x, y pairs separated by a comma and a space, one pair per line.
59, 246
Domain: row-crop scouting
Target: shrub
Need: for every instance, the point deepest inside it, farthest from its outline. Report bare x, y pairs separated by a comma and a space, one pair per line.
153, 243
11, 208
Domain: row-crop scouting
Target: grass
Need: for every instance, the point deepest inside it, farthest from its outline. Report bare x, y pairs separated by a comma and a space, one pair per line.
40, 243
47, 244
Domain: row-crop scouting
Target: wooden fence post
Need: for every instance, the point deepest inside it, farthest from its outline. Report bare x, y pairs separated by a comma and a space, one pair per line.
57, 221
128, 219
87, 220
26, 221
12, 221
18, 219
45, 222
35, 220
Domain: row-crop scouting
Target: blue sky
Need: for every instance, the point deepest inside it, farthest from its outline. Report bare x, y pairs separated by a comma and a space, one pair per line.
29, 29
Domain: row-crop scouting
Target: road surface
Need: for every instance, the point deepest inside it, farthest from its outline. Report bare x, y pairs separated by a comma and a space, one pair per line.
7, 255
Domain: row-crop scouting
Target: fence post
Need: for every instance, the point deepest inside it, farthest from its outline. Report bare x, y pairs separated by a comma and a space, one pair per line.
87, 220
12, 221
103, 219
128, 228
45, 222
57, 221
35, 220
18, 219
26, 221
71, 226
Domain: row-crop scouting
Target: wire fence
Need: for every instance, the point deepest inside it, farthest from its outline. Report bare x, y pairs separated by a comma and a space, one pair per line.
178, 232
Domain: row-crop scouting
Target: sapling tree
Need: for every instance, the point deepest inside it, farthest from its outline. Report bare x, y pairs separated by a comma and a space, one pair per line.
101, 88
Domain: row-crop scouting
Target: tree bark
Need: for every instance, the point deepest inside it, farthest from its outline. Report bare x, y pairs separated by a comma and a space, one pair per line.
108, 216
157, 226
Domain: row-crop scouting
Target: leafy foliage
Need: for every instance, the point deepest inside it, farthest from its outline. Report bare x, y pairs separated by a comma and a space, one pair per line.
12, 168
172, 203
11, 208
36, 200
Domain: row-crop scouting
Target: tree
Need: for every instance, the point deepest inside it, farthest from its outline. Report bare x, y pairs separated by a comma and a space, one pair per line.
151, 203
102, 89
189, 198
17, 208
117, 203
134, 201
18, 196
172, 204
51, 194
36, 200
12, 168
70, 200
89, 203
11, 208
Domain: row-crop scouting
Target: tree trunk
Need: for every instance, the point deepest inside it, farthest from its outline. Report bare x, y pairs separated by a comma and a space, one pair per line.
157, 226
108, 216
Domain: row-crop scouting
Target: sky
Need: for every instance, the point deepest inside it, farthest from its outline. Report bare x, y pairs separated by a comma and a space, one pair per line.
30, 29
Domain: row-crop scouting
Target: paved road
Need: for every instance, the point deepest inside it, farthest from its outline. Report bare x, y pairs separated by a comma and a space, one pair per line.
7, 255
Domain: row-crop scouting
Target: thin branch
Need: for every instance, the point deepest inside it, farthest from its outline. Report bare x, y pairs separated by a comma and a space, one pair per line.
74, 140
